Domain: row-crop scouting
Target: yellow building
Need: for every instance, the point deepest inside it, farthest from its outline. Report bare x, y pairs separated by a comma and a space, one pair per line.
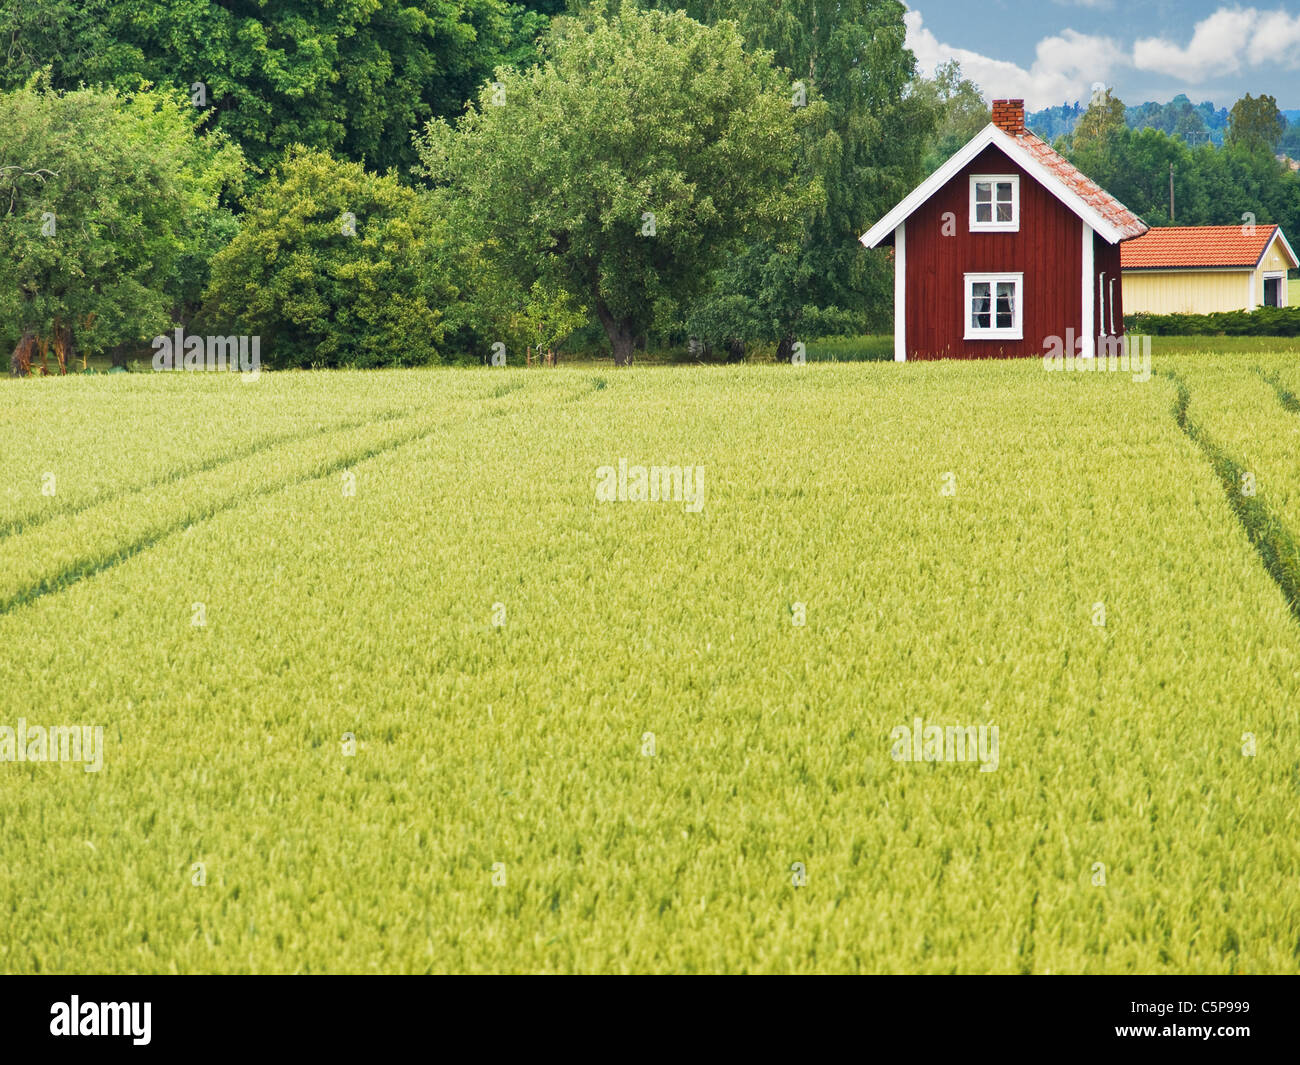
1203, 269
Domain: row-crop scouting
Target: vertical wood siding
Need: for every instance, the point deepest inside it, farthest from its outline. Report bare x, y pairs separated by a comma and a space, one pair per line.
1047, 250
1187, 291
1105, 258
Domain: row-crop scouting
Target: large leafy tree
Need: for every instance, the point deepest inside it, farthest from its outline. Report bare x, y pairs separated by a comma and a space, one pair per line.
353, 76
1255, 124
960, 109
644, 151
1098, 138
334, 266
864, 148
110, 206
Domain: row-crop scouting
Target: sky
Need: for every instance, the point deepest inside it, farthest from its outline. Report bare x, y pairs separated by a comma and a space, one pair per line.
1055, 51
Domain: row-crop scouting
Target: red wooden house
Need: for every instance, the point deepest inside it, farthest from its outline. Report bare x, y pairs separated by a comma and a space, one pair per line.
1004, 247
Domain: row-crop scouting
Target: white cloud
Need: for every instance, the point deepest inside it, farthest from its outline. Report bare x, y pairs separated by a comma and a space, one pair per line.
1276, 39
1065, 67
1223, 43
1216, 47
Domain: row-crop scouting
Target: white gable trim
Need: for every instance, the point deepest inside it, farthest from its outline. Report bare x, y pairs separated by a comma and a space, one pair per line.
929, 187
1278, 235
1010, 147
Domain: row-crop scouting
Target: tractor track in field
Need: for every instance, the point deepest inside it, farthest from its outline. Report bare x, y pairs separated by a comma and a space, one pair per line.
1285, 396
92, 567
1268, 534
20, 526
591, 386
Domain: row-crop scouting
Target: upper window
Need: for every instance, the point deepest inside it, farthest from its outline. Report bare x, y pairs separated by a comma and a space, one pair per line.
995, 202
995, 306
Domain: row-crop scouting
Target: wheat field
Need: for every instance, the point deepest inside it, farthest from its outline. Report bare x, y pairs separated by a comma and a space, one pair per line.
386, 686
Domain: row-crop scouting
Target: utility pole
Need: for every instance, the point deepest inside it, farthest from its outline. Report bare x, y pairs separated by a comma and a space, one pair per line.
1171, 193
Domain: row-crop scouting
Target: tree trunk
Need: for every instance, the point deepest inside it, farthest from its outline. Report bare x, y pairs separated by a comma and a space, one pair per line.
64, 348
20, 363
785, 349
622, 335
735, 350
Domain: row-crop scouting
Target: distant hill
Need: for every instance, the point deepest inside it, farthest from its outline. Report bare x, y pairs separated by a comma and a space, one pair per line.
1194, 123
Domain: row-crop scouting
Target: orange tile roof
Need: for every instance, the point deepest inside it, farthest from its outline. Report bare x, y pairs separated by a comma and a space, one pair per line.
1185, 246
1129, 224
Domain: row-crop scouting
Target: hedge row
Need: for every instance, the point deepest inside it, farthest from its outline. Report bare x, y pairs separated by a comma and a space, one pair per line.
1261, 322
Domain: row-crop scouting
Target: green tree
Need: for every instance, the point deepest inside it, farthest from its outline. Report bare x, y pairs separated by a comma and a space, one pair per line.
1100, 127
1255, 124
961, 112
1138, 176
1188, 123
642, 152
334, 266
110, 206
1213, 186
1234, 185
354, 76
545, 319
863, 145
1098, 146
1290, 142
59, 34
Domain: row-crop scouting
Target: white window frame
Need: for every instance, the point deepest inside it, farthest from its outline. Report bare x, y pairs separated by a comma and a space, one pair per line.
1280, 277
1017, 330
995, 226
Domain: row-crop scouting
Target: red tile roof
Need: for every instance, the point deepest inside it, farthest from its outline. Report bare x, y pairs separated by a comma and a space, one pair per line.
1183, 246
1101, 201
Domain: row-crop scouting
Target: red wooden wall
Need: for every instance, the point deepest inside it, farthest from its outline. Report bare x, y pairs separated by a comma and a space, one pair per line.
1047, 249
1105, 261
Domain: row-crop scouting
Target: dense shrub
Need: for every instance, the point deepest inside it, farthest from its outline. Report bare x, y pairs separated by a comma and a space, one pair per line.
1261, 322
334, 266
110, 207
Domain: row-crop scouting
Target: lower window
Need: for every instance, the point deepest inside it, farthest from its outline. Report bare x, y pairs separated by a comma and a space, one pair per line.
995, 306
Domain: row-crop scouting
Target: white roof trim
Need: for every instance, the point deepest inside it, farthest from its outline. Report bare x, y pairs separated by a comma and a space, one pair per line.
1278, 235
991, 134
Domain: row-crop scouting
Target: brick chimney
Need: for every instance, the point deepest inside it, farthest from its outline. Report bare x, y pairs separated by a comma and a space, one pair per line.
1009, 116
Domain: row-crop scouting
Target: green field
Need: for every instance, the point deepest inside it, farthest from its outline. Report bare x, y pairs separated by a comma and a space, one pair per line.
499, 643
